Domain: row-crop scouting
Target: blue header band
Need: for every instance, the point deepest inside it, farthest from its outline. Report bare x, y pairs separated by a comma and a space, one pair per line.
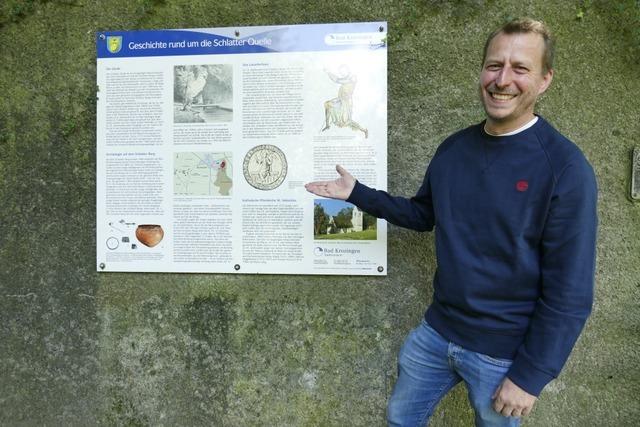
214, 41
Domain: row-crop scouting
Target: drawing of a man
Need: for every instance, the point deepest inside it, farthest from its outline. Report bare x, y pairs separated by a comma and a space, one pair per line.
339, 110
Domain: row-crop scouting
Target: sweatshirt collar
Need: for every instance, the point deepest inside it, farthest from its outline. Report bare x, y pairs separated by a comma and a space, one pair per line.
510, 136
513, 132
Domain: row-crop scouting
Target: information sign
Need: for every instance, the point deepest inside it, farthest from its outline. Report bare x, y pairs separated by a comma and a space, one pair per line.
206, 137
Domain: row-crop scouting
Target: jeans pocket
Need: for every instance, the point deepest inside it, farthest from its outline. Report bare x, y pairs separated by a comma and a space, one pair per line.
503, 363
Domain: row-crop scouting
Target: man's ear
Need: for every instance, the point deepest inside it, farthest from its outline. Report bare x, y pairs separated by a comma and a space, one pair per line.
546, 81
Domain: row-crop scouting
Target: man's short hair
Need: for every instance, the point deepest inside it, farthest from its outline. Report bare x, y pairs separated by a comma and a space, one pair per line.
528, 25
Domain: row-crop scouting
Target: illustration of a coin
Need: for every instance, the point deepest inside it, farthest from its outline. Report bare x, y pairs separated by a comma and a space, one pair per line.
265, 167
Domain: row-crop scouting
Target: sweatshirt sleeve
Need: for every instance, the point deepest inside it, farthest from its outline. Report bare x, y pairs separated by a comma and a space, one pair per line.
415, 213
567, 251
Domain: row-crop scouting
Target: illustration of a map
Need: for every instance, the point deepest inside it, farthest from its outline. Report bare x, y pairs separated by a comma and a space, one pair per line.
202, 174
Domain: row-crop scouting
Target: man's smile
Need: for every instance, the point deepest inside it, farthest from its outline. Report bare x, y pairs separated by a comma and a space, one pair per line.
501, 96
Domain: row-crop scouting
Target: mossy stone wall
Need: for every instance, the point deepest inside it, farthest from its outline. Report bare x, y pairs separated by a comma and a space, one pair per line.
82, 348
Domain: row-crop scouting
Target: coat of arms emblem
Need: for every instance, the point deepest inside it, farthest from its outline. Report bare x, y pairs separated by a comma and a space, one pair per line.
114, 43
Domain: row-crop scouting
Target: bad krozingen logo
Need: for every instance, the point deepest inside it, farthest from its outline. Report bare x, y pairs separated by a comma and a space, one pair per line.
114, 43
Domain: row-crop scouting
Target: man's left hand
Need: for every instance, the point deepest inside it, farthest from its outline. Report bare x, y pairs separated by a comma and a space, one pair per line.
512, 401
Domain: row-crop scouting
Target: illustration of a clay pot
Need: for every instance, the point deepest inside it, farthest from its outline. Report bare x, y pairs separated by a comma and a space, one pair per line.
149, 234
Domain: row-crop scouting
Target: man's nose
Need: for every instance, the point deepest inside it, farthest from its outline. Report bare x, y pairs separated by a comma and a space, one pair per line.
504, 77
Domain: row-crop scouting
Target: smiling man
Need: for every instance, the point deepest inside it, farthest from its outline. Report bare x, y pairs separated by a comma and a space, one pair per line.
516, 69
513, 204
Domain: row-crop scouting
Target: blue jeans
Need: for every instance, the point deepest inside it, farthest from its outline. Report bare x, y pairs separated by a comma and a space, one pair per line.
429, 366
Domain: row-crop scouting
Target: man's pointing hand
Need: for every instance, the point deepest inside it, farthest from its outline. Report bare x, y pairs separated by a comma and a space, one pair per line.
339, 188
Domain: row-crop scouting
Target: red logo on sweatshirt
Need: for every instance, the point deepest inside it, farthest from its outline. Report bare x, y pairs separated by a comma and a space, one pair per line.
522, 185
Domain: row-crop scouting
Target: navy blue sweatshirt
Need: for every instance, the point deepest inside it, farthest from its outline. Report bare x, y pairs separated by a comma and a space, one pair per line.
515, 229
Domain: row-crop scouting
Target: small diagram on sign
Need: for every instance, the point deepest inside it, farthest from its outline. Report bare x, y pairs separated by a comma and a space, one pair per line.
265, 167
202, 174
119, 232
113, 243
123, 235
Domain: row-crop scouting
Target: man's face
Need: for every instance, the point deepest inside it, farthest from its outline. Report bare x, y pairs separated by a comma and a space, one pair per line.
511, 80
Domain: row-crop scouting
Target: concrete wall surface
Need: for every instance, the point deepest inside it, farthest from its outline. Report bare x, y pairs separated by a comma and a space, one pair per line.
82, 348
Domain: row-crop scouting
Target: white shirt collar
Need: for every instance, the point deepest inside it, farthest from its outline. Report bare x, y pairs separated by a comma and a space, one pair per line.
520, 129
